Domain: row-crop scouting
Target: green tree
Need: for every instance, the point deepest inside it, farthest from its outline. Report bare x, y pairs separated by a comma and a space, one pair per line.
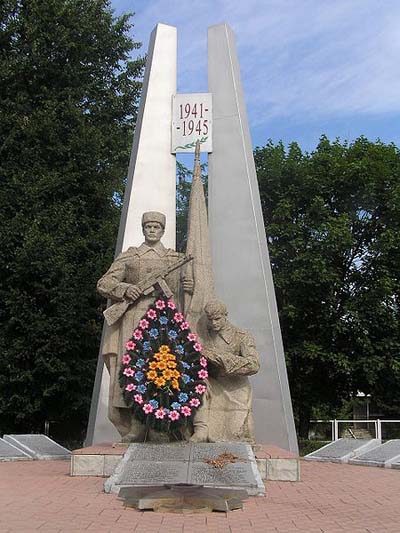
69, 100
333, 225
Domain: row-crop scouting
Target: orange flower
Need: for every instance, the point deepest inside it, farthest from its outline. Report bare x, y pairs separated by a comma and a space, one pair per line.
175, 384
160, 382
171, 364
157, 356
167, 374
151, 374
162, 365
153, 365
164, 348
171, 357
176, 374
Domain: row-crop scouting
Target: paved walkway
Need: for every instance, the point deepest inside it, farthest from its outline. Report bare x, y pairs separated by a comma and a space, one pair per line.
331, 498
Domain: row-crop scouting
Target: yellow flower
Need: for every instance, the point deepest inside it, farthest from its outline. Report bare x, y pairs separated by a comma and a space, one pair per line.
162, 365
171, 357
157, 356
153, 365
152, 374
160, 382
175, 384
164, 348
171, 364
167, 374
176, 374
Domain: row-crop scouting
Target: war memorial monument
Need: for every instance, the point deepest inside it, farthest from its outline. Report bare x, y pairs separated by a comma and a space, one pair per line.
191, 367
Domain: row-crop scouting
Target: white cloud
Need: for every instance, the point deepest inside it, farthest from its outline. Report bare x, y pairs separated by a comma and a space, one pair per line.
297, 56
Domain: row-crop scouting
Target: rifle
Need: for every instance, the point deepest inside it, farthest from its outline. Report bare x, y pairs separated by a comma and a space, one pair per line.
146, 286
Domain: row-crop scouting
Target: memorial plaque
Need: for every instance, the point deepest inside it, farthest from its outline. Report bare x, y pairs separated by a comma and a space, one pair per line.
154, 473
170, 464
38, 446
231, 475
191, 122
379, 455
342, 450
8, 452
153, 452
208, 450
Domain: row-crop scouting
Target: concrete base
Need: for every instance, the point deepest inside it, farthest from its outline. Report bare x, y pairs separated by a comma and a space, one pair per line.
277, 464
100, 460
273, 463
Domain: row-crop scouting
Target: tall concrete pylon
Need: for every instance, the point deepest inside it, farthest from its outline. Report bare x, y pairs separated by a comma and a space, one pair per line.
151, 186
242, 270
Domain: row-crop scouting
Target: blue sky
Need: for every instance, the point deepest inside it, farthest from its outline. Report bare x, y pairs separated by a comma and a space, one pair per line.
308, 66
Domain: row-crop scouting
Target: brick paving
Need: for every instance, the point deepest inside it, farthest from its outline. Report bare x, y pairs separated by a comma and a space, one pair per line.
331, 498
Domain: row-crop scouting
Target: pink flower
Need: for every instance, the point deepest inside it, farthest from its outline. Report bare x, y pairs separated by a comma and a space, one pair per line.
160, 413
130, 387
194, 402
203, 361
160, 304
129, 371
178, 317
192, 337
174, 415
138, 398
126, 358
130, 345
138, 334
200, 389
203, 374
147, 408
185, 325
151, 314
186, 411
144, 324
171, 304
197, 346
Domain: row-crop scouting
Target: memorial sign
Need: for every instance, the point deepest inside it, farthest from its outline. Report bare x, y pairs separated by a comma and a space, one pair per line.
38, 446
193, 464
191, 122
8, 452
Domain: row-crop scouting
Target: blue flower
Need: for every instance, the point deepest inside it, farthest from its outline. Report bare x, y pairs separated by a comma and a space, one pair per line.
163, 320
176, 406
153, 403
185, 378
173, 334
140, 363
185, 364
183, 397
141, 388
139, 376
153, 332
180, 349
166, 410
146, 346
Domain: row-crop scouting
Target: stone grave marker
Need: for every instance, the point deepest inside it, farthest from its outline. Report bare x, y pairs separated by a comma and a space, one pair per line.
380, 456
8, 452
38, 446
341, 450
186, 463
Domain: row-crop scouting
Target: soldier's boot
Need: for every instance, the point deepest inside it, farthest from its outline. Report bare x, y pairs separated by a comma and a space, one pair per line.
200, 424
137, 432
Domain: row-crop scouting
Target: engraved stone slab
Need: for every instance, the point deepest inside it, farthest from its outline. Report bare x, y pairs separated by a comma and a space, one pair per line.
154, 473
207, 450
166, 464
155, 452
38, 446
341, 450
379, 456
8, 452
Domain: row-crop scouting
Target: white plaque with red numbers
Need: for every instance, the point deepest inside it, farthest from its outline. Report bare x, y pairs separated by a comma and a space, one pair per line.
191, 122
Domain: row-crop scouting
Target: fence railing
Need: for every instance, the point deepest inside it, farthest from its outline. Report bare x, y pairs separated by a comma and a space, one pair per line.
377, 425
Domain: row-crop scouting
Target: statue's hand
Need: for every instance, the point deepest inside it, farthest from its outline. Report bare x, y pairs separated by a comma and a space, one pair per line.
133, 292
211, 355
188, 285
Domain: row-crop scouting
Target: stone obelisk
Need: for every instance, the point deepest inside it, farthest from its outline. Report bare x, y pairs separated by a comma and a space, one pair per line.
151, 186
242, 270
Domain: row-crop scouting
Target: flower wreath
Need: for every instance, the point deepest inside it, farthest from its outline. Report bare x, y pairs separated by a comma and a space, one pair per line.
163, 371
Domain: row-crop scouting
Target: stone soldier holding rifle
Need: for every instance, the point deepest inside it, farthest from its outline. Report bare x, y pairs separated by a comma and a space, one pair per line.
121, 283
